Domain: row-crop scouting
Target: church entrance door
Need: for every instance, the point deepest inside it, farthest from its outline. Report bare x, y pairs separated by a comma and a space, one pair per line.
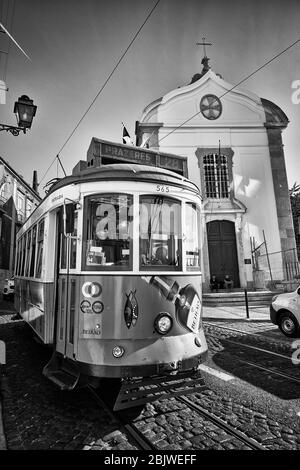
222, 250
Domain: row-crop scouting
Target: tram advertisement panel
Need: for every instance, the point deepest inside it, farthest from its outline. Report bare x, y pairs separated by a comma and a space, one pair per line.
123, 306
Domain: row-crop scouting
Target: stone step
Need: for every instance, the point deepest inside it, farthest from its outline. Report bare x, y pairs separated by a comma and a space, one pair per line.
238, 298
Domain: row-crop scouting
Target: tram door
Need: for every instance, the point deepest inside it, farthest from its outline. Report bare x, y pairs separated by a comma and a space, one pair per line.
66, 290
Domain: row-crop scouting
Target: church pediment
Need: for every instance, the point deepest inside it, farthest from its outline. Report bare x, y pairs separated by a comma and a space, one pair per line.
231, 205
238, 107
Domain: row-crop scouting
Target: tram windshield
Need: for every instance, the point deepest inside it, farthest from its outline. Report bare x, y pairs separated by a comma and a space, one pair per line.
108, 232
108, 238
160, 233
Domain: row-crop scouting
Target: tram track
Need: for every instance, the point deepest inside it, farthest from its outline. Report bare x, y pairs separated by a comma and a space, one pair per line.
270, 371
276, 355
258, 366
143, 443
248, 441
140, 440
137, 433
254, 335
248, 346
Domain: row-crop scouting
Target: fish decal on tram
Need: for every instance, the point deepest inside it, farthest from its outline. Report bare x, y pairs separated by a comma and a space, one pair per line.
131, 311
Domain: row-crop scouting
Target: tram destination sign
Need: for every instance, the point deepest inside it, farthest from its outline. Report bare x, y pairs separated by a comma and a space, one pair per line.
124, 153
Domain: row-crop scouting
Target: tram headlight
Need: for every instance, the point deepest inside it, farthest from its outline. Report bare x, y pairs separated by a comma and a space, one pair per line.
163, 323
118, 351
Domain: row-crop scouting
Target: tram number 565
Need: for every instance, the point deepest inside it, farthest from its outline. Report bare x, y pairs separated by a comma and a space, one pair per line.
162, 189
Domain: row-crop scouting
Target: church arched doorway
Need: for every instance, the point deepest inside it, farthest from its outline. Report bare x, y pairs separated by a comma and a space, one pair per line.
222, 250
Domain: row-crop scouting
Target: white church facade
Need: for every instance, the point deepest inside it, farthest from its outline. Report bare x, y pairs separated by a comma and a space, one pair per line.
233, 145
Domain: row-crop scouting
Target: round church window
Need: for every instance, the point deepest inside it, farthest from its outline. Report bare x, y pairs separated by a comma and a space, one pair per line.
211, 107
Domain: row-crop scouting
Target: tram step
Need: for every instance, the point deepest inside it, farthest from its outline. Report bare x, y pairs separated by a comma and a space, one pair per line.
62, 372
64, 380
135, 392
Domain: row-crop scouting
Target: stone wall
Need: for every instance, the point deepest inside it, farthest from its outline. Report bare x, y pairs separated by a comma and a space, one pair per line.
281, 191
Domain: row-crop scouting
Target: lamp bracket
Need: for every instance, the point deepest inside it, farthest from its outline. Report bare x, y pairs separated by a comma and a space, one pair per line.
12, 129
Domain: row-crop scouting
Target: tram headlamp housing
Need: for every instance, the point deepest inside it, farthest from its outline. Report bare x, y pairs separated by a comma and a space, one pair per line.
118, 351
163, 323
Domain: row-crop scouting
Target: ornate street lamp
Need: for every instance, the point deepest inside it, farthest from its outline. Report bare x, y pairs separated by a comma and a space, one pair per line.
25, 111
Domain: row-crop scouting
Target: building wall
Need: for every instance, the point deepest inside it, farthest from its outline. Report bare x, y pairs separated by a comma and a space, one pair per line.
295, 205
17, 200
260, 201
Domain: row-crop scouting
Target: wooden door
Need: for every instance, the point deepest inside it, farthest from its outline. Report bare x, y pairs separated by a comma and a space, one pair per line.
222, 250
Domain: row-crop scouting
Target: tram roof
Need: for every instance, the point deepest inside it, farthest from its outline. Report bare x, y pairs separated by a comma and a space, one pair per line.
125, 172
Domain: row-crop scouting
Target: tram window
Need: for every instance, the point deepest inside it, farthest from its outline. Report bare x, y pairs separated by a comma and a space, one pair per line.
28, 245
192, 236
71, 229
160, 233
63, 251
70, 218
22, 267
108, 232
63, 243
17, 262
19, 256
40, 246
33, 246
73, 248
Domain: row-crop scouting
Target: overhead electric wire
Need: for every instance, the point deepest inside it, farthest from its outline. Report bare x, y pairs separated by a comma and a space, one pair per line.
104, 85
232, 88
236, 85
14, 41
9, 41
187, 120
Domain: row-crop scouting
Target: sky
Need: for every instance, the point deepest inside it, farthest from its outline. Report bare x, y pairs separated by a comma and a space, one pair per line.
74, 45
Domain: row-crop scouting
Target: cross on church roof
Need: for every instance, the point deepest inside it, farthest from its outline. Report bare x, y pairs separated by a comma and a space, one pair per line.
205, 59
204, 44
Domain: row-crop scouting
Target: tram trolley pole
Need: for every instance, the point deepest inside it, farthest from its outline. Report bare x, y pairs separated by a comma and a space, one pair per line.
247, 305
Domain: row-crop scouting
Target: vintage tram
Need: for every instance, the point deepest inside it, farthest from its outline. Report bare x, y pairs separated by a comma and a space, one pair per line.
108, 272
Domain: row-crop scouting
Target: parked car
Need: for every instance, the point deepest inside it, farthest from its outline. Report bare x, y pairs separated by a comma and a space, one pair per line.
9, 288
285, 312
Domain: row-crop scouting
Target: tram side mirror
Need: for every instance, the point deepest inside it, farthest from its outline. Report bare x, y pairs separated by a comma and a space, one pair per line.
298, 291
69, 218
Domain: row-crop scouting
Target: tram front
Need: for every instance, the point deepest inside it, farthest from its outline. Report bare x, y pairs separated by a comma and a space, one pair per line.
139, 287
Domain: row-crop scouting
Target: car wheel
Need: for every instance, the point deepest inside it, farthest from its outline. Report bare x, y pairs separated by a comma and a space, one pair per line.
289, 325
